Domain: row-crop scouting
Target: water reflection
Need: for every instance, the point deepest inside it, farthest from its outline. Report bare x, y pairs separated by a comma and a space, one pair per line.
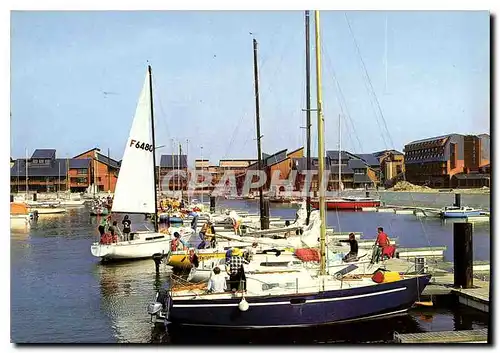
126, 290
377, 331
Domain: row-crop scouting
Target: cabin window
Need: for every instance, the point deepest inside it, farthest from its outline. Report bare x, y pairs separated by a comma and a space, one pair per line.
82, 171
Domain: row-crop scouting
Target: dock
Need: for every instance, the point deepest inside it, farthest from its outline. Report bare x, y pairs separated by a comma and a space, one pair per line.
465, 336
441, 284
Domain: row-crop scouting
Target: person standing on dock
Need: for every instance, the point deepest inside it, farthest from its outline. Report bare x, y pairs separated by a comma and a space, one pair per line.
126, 227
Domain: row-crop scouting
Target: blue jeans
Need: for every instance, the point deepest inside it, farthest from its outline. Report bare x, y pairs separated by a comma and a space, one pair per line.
194, 222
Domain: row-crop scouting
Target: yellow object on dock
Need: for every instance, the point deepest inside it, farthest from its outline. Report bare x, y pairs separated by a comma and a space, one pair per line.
391, 276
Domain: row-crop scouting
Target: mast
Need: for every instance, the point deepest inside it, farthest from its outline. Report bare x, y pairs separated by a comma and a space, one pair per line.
109, 180
26, 198
68, 189
173, 166
308, 112
340, 155
263, 222
321, 148
58, 177
17, 162
154, 146
179, 177
202, 189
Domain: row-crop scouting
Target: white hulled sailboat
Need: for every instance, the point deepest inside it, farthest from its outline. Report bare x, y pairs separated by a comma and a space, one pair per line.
135, 191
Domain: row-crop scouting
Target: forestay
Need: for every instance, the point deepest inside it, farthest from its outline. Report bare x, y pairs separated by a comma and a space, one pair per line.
135, 188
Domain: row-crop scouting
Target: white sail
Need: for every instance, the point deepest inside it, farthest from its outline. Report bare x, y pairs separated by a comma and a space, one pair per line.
135, 188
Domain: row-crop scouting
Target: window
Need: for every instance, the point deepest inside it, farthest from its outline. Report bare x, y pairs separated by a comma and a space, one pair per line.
35, 161
81, 171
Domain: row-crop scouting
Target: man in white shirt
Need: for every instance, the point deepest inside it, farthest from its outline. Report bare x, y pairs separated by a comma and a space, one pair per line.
217, 283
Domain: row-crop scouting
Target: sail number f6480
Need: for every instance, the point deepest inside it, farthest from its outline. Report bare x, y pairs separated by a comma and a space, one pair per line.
141, 145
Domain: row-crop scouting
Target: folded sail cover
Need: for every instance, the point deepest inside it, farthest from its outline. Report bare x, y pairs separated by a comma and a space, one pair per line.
307, 255
135, 188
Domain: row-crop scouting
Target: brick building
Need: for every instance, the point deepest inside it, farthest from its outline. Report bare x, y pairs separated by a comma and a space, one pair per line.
176, 164
104, 170
444, 160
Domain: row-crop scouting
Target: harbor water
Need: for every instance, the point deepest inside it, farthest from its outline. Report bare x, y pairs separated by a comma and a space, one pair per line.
60, 293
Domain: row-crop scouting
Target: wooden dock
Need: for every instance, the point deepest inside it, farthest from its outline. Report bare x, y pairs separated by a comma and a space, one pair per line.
442, 284
465, 336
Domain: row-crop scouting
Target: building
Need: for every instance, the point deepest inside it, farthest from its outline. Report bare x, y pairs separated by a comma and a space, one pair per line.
354, 171
177, 166
392, 166
43, 172
281, 161
203, 166
444, 160
104, 170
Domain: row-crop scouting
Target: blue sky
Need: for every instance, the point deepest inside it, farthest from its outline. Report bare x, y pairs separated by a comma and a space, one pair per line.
433, 80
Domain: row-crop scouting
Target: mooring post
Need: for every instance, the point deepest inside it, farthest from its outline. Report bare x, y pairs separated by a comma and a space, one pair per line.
458, 200
157, 259
264, 217
462, 255
212, 204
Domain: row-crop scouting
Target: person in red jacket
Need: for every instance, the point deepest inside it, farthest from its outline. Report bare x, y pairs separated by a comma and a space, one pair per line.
383, 245
382, 238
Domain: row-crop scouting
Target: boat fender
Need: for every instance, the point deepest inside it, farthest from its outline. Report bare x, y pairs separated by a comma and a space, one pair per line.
243, 305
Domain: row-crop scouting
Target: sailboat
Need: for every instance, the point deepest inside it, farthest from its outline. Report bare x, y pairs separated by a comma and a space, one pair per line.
135, 190
295, 298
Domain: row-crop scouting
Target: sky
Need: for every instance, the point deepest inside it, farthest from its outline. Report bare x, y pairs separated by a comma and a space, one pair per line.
76, 78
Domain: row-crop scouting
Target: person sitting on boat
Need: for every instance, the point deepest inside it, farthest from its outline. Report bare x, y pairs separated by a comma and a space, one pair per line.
235, 269
181, 204
206, 235
126, 227
178, 237
217, 282
193, 258
352, 255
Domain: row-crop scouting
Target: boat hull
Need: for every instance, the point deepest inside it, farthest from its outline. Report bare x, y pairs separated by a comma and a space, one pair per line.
130, 250
334, 306
460, 214
347, 205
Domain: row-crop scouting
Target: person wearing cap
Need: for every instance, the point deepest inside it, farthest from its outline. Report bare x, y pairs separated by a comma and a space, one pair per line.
234, 267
